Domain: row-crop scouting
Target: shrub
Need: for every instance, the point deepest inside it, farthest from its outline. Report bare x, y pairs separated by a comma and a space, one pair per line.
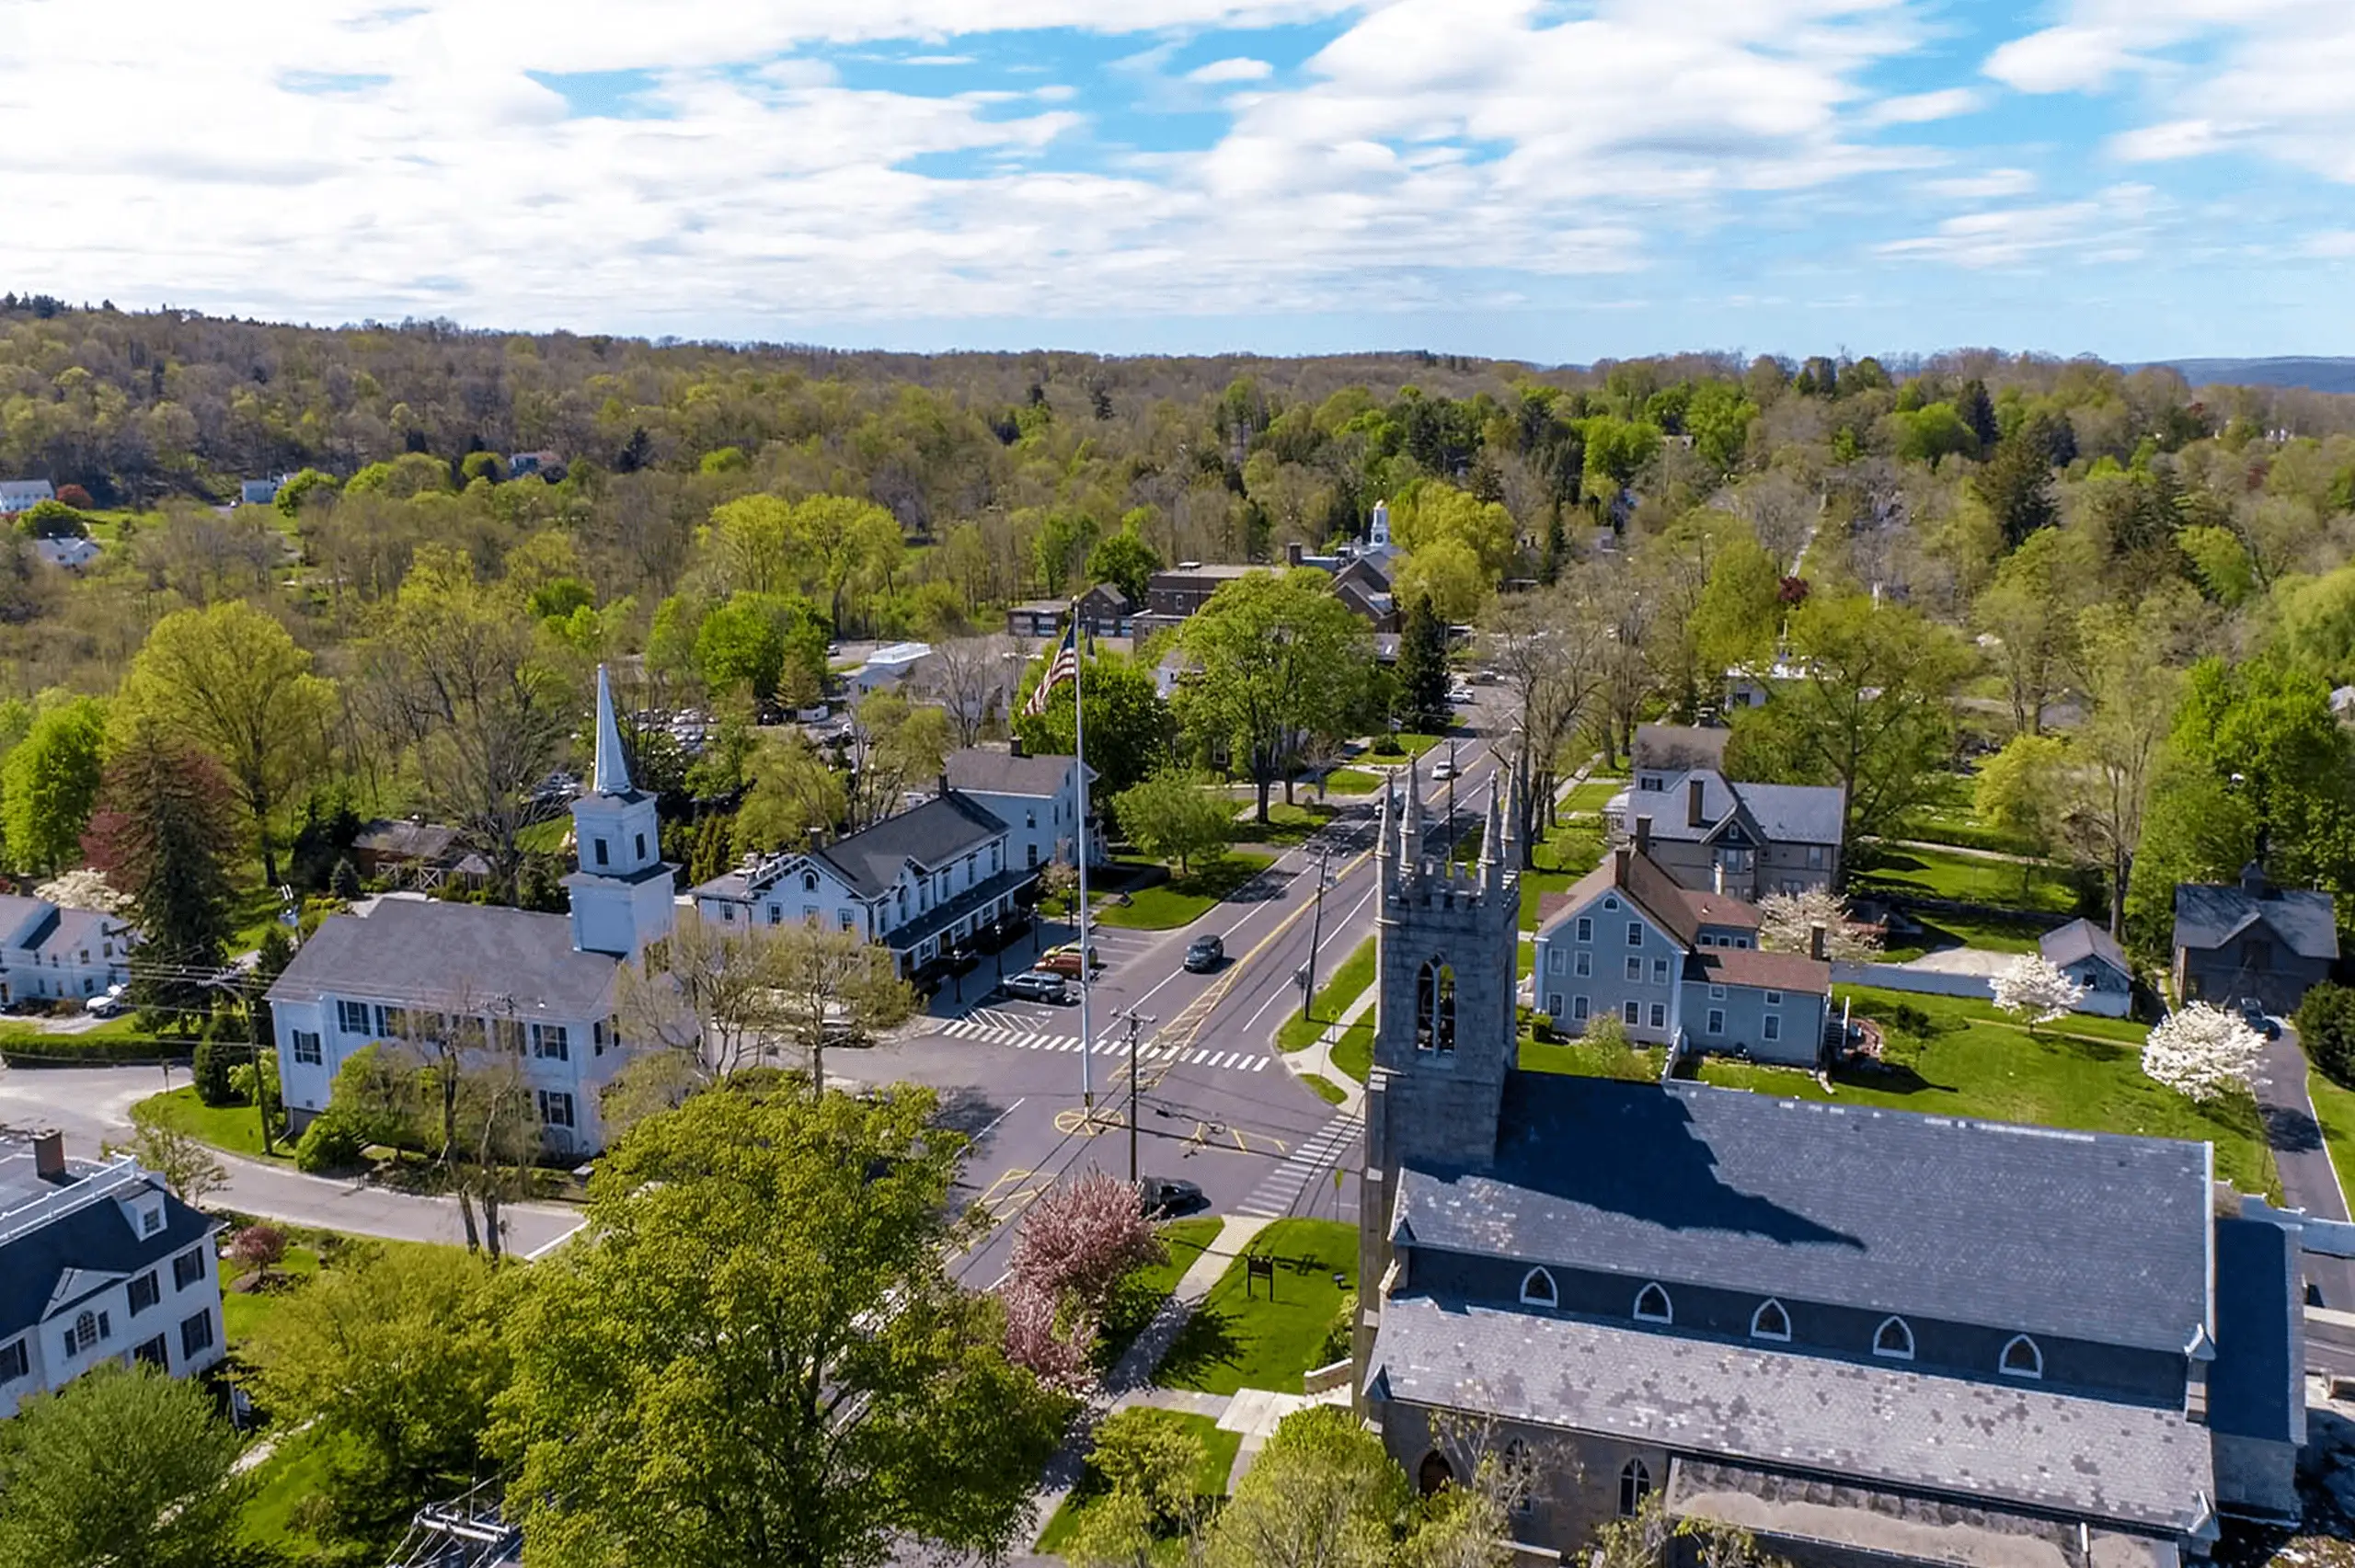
2326, 1022
1387, 745
330, 1143
214, 1061
53, 520
31, 1050
75, 497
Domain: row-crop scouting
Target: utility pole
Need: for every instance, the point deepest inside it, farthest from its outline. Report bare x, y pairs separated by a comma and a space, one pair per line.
1135, 1020
1316, 934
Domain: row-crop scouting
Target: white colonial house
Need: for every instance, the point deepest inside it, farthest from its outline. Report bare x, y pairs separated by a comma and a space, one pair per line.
1036, 798
541, 988
49, 951
919, 882
23, 495
98, 1264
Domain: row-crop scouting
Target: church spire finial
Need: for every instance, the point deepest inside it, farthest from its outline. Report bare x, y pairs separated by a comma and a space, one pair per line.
611, 775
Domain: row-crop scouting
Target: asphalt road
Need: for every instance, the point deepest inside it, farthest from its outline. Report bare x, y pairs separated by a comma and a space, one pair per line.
1216, 1105
92, 1106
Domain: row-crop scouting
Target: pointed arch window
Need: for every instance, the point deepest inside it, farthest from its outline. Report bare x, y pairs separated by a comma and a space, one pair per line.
1635, 1485
1435, 1007
1894, 1339
2022, 1359
1770, 1321
1652, 1305
1435, 1474
1537, 1289
1520, 1476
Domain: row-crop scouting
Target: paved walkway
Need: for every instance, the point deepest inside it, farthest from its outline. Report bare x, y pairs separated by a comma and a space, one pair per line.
2309, 1180
92, 1107
1317, 1057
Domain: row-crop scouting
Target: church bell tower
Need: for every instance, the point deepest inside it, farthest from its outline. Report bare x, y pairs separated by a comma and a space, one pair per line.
621, 893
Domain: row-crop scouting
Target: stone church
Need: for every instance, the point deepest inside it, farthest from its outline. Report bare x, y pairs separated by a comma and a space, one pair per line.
1866, 1336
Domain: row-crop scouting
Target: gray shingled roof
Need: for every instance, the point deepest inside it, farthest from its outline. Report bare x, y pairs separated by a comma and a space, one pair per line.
1986, 1441
2078, 1235
2256, 1384
2082, 939
2208, 916
453, 957
988, 769
18, 915
85, 1249
1785, 814
931, 835
1680, 746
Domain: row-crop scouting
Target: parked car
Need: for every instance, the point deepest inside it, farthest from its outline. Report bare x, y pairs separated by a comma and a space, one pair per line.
1064, 960
1205, 953
1166, 1195
2253, 1014
1037, 985
107, 1002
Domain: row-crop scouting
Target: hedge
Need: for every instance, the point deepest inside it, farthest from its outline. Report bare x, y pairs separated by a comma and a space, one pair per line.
28, 1050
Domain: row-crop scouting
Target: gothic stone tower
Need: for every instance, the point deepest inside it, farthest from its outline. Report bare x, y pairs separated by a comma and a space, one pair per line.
1445, 1033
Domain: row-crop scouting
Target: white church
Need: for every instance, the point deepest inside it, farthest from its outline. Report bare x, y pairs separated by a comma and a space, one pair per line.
541, 987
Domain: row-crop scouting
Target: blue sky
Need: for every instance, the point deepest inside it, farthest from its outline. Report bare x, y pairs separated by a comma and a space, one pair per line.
1546, 179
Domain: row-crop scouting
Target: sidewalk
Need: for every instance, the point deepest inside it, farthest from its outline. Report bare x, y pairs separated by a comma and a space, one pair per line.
1317, 1057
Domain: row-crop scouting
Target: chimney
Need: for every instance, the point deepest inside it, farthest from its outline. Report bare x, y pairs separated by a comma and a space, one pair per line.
1016, 748
1693, 817
1717, 876
2253, 880
944, 781
49, 1155
1293, 553
1815, 943
1643, 835
1619, 867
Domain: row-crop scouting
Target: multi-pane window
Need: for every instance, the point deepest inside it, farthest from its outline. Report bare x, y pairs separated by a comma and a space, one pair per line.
1716, 1020
1634, 969
392, 1022
507, 1034
1585, 964
144, 1293
351, 1017
188, 1268
1631, 1011
196, 1334
555, 1108
1586, 928
1578, 1007
1773, 1027
14, 1361
152, 1353
1634, 933
1660, 1016
1659, 972
307, 1049
551, 1042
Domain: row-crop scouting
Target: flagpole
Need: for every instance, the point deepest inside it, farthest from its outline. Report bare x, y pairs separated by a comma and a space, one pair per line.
1079, 770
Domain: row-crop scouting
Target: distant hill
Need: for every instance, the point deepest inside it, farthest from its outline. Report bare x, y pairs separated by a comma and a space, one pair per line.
2316, 374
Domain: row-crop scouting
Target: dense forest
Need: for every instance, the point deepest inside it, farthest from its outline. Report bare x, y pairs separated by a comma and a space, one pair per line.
416, 611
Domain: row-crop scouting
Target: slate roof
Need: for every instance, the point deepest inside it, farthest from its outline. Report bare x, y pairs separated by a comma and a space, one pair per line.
2082, 939
405, 839
1784, 813
2256, 1384
2208, 916
1993, 1442
431, 954
985, 769
87, 1248
1679, 912
2088, 1236
931, 835
1679, 746
19, 914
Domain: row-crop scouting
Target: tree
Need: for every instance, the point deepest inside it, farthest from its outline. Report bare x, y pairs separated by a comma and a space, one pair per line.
1043, 1341
896, 745
396, 1355
2022, 789
1176, 815
1082, 1237
831, 987
1977, 410
1448, 574
794, 795
1323, 1494
309, 481
125, 1466
2032, 611
1869, 712
1741, 609
165, 831
1422, 668
49, 783
1124, 560
1140, 1453
973, 679
2118, 748
84, 887
2016, 486
2200, 1052
1429, 513
2031, 987
257, 1247
1129, 726
187, 1167
1548, 650
763, 1359
1787, 923
2326, 1030
1279, 656
228, 681
1646, 1540
770, 645
53, 520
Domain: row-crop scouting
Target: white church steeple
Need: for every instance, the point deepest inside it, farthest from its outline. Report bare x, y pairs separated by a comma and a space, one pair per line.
622, 891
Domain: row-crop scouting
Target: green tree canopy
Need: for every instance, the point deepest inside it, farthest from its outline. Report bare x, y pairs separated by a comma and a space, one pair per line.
794, 794
1128, 727
48, 783
1176, 816
165, 834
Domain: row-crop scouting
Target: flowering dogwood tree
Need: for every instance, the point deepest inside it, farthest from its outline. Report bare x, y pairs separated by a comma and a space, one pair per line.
1786, 923
83, 888
2200, 1052
1056, 1345
2030, 987
1080, 1239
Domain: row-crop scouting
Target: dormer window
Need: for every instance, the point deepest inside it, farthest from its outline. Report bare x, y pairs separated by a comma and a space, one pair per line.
1893, 1339
2022, 1359
1652, 1305
1770, 1321
1537, 1289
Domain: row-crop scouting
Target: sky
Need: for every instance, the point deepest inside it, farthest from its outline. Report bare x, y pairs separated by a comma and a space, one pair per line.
1550, 180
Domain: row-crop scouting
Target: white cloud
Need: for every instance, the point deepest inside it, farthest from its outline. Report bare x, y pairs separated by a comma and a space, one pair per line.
2332, 244
2060, 60
1240, 69
2108, 227
1920, 109
1984, 187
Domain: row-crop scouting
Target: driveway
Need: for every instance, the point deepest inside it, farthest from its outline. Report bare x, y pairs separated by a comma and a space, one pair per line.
2309, 1181
92, 1106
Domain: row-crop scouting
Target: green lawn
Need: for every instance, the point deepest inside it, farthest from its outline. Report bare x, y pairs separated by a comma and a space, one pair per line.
1240, 1339
545, 837
1631, 1064
243, 1312
1950, 1057
1567, 853
1945, 874
1333, 999
123, 1026
1141, 1294
1351, 781
2335, 1109
297, 1469
1354, 1052
1588, 798
237, 1129
1410, 745
1181, 900
1286, 825
1219, 1449
1327, 1090
1990, 931
1951, 817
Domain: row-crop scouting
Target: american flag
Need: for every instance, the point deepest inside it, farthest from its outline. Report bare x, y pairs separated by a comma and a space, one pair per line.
1063, 667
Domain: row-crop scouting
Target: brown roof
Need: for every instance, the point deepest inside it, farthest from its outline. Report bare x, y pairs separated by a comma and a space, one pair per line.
1774, 971
1674, 910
